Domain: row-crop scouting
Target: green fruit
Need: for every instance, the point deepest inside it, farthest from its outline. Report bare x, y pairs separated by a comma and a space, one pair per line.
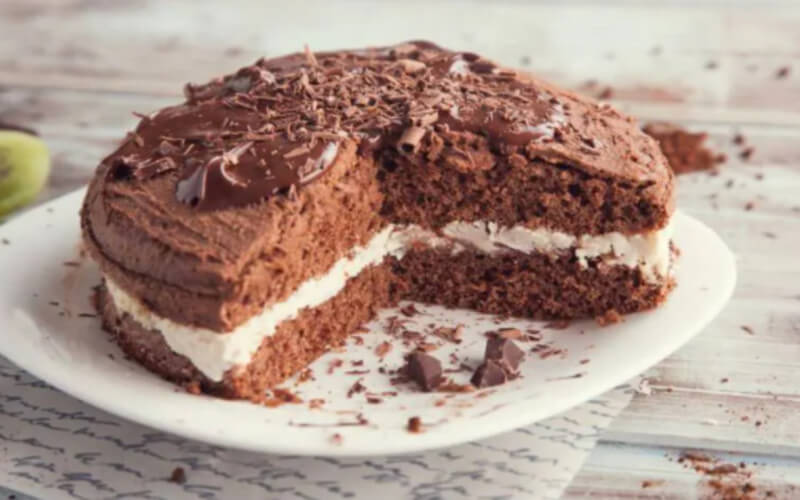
24, 165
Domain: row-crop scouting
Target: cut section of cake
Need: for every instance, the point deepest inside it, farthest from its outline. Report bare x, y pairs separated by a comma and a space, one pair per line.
250, 229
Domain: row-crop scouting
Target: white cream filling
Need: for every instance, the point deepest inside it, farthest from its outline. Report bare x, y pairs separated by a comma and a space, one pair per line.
214, 353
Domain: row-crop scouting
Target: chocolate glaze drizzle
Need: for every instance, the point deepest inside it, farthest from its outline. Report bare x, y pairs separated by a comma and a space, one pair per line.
279, 124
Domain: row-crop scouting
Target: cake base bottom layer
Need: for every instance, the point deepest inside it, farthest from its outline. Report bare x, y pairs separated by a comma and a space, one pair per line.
534, 286
293, 346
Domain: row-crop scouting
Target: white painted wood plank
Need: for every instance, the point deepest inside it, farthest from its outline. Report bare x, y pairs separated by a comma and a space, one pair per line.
150, 46
616, 471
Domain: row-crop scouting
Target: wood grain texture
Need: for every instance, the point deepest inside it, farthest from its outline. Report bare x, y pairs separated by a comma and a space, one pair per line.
76, 69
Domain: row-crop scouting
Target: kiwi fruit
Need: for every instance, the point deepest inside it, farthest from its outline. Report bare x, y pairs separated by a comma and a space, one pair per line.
24, 166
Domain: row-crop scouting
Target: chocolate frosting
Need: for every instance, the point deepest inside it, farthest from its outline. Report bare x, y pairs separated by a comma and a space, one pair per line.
276, 125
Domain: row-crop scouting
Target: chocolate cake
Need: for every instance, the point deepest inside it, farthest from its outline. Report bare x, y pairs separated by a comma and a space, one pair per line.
246, 231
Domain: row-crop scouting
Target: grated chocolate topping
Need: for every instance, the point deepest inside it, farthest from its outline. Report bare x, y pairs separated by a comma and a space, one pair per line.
278, 124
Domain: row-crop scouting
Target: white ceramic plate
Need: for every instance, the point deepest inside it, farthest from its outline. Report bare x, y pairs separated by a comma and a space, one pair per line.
48, 329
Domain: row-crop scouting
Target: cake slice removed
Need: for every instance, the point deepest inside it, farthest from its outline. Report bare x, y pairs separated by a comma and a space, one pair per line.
245, 232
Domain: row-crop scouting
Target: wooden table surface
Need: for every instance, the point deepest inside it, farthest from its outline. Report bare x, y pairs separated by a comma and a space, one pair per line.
76, 69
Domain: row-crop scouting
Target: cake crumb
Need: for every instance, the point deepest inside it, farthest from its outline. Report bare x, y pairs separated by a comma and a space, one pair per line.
409, 310
305, 375
747, 153
747, 329
652, 483
178, 476
782, 72
511, 334
450, 386
286, 396
383, 349
427, 346
334, 364
557, 325
193, 387
414, 425
606, 93
749, 206
336, 438
610, 317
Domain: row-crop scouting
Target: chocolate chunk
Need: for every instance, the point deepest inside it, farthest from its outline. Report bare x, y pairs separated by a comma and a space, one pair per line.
425, 370
504, 352
489, 374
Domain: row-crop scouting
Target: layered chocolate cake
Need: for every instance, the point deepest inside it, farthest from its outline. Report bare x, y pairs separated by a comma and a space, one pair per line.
247, 231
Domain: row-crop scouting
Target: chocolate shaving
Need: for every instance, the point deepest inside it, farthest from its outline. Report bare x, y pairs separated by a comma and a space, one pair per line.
410, 140
511, 333
297, 109
449, 334
131, 167
192, 190
239, 84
